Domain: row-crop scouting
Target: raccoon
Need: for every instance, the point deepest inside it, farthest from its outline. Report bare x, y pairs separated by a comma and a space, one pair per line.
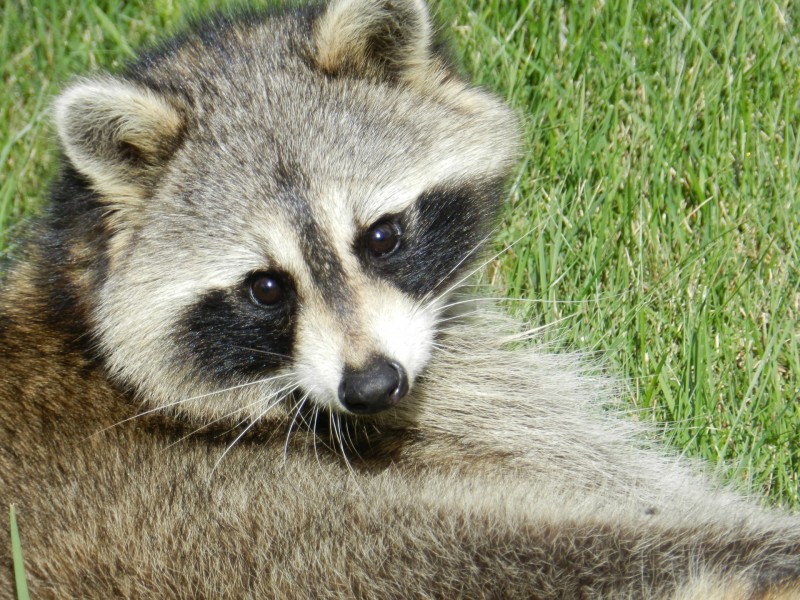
235, 360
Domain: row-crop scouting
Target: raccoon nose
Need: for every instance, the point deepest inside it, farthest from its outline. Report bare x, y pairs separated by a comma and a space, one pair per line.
377, 386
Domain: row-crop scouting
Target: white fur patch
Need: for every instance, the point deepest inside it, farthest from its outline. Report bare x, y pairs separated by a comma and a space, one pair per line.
388, 323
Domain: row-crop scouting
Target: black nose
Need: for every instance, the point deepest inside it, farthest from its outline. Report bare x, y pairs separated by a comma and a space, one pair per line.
375, 387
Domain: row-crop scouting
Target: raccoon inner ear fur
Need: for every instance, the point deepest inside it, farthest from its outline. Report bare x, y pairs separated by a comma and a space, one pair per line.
374, 38
117, 134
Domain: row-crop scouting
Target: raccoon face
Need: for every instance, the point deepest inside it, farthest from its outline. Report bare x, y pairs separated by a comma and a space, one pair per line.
290, 200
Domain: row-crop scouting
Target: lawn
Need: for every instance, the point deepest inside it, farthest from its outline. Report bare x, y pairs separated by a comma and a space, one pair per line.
658, 197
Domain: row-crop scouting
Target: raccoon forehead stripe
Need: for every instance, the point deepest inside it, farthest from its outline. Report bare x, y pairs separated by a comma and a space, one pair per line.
325, 267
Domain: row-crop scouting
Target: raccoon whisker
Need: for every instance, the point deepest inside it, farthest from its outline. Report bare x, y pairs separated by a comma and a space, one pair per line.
282, 393
533, 332
432, 297
337, 430
228, 389
444, 307
493, 288
457, 317
507, 299
231, 445
342, 431
366, 438
232, 428
184, 400
241, 435
475, 248
210, 423
447, 291
274, 398
309, 424
314, 433
260, 351
312, 424
216, 392
366, 433
443, 346
334, 435
351, 443
295, 413
297, 410
445, 349
330, 430
317, 439
306, 422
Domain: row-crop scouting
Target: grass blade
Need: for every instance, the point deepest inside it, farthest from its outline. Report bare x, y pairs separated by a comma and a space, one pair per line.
16, 557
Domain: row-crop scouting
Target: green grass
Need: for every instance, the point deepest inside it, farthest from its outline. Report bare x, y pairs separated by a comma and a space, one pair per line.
660, 179
20, 580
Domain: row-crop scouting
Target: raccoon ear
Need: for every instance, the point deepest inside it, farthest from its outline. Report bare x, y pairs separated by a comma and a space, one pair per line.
117, 134
389, 38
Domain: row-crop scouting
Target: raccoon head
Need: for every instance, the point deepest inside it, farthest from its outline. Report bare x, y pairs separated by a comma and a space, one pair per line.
287, 202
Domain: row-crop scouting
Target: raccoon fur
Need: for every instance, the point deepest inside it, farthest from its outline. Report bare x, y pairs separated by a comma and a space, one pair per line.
234, 365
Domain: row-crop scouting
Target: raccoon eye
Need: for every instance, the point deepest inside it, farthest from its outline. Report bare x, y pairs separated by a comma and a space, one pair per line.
267, 289
383, 238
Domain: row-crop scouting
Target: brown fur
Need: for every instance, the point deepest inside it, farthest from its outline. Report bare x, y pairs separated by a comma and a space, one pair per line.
115, 506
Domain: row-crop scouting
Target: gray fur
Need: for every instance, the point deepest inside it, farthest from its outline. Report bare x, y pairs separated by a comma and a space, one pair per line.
146, 460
